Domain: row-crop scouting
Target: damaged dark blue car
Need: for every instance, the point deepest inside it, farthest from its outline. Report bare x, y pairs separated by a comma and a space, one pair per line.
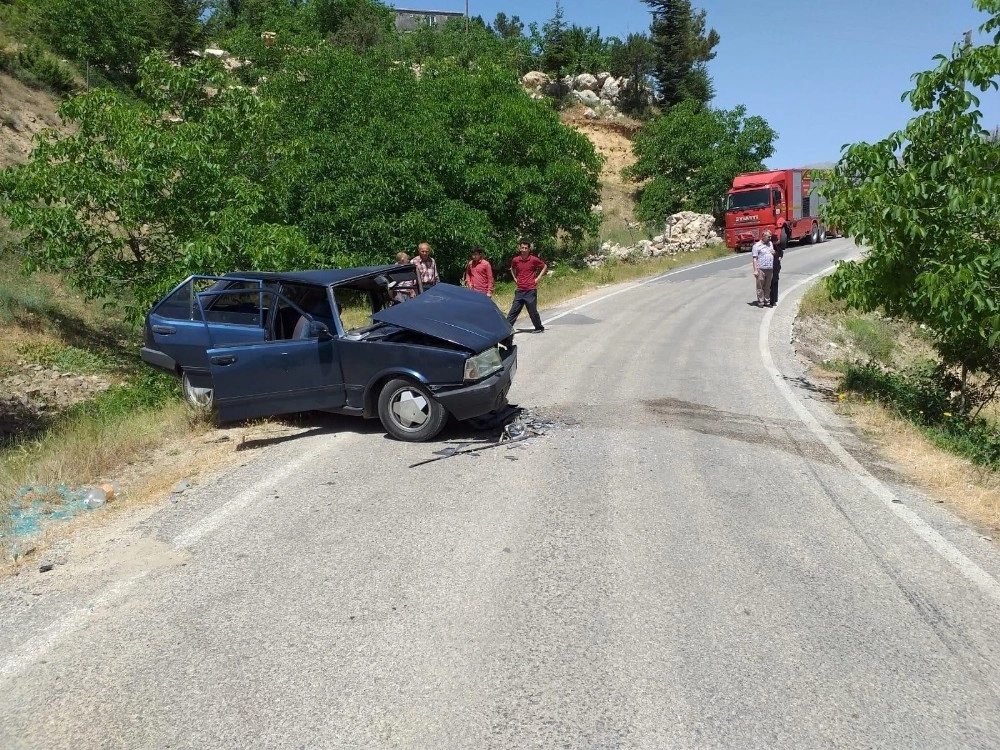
364, 341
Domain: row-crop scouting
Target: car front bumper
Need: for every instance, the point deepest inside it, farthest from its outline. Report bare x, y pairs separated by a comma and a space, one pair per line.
489, 394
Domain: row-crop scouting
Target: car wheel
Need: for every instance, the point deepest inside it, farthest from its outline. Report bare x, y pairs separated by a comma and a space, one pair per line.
409, 412
202, 399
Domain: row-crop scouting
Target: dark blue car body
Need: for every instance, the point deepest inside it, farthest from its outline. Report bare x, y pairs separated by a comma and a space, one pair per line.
259, 344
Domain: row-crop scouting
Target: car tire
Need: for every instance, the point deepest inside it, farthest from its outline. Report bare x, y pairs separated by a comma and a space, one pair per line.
200, 399
409, 412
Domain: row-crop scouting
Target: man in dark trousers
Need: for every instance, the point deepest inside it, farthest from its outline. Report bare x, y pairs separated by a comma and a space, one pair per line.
779, 253
526, 269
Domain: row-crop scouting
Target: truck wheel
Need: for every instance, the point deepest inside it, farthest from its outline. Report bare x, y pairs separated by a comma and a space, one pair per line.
408, 412
783, 242
813, 237
200, 399
822, 234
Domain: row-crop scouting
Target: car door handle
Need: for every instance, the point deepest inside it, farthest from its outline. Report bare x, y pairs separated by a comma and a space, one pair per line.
165, 330
227, 359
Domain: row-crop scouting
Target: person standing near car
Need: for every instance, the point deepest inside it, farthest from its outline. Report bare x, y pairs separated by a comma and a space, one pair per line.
763, 267
402, 290
527, 269
479, 273
426, 266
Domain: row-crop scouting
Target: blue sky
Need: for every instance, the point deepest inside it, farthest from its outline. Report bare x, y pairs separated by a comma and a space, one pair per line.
822, 72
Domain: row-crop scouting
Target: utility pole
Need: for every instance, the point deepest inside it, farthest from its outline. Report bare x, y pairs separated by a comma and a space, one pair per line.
466, 17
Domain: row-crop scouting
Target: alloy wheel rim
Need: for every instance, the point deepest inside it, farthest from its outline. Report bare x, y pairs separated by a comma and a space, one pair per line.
197, 396
410, 409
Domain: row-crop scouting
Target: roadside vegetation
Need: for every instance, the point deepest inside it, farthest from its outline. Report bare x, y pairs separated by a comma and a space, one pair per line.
887, 378
923, 202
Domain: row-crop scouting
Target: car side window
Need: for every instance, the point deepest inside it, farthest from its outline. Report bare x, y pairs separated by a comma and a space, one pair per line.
354, 306
182, 303
242, 303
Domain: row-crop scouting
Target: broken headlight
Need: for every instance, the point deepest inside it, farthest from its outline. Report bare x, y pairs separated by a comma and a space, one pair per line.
483, 364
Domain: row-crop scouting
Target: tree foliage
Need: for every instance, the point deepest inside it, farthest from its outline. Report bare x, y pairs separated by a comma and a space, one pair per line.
925, 203
690, 154
683, 48
633, 59
335, 160
466, 159
143, 192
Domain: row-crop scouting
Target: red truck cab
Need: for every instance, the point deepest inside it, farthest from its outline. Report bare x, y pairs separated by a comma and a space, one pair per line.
784, 201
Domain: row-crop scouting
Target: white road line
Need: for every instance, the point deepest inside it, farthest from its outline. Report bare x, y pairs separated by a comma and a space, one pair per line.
36, 648
630, 287
987, 583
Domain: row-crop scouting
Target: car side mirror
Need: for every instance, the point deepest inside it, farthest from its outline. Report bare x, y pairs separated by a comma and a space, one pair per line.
319, 331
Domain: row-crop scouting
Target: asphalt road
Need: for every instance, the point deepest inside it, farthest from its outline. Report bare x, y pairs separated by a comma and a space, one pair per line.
697, 553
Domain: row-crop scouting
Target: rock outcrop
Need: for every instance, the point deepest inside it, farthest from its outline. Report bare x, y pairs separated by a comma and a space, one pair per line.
685, 232
600, 93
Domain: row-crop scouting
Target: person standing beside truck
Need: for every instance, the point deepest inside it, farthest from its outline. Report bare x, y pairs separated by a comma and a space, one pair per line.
763, 267
527, 269
779, 253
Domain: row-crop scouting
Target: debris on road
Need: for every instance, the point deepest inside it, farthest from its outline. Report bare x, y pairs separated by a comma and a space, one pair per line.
36, 504
514, 423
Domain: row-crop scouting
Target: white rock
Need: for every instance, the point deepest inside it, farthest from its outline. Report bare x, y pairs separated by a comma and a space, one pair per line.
585, 82
610, 90
535, 79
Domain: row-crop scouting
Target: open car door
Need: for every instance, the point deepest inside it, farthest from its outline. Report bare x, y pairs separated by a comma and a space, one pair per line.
178, 325
276, 376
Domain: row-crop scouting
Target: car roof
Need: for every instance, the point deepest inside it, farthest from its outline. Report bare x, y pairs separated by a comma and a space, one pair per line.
322, 277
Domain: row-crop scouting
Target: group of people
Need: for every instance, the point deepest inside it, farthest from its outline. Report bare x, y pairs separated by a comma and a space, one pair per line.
526, 268
766, 269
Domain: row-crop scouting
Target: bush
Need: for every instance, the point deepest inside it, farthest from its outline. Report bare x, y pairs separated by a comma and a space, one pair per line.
36, 67
874, 337
922, 395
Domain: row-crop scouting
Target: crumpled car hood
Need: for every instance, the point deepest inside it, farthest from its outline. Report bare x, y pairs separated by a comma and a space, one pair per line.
450, 313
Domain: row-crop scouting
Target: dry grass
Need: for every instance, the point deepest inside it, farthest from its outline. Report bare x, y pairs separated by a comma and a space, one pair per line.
83, 450
972, 490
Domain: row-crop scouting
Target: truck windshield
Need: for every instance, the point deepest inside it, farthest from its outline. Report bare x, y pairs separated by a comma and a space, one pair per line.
748, 199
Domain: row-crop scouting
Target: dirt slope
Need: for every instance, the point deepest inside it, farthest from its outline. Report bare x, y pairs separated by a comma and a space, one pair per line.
23, 113
613, 141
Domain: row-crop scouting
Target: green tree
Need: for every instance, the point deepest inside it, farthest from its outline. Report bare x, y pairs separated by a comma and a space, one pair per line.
553, 43
508, 28
180, 29
690, 155
924, 203
634, 58
114, 34
468, 159
683, 48
143, 192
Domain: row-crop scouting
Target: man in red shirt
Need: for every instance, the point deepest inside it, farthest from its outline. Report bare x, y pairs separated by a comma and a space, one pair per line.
527, 269
479, 273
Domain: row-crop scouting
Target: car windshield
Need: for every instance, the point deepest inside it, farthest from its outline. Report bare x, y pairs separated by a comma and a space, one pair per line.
748, 199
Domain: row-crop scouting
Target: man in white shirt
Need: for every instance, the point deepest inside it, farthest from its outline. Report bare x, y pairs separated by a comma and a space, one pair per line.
763, 267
